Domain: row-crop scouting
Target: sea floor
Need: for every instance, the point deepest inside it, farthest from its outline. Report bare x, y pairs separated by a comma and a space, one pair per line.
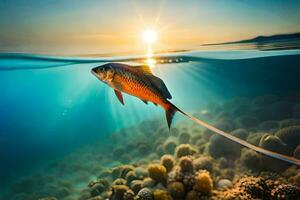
149, 162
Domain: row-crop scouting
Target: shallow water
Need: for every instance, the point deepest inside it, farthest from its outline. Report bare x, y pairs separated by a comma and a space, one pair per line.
56, 114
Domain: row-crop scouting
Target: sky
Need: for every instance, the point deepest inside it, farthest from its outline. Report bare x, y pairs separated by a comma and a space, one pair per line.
77, 27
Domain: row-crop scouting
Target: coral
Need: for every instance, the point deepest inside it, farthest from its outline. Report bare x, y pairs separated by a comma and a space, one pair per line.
254, 138
272, 143
256, 187
98, 186
141, 172
286, 192
121, 171
225, 124
161, 195
119, 191
296, 152
224, 184
250, 159
157, 172
295, 179
203, 162
184, 150
203, 182
168, 162
220, 146
188, 180
184, 138
148, 182
240, 133
136, 185
290, 135
176, 190
119, 181
223, 163
186, 164
192, 195
128, 195
145, 194
169, 146
130, 176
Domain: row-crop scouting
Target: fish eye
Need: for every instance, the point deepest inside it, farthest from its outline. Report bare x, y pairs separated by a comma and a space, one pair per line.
101, 69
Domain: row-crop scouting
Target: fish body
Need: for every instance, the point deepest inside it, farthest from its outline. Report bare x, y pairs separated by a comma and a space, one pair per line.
136, 81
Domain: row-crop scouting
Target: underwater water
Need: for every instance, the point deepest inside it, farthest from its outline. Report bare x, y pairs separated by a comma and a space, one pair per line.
63, 134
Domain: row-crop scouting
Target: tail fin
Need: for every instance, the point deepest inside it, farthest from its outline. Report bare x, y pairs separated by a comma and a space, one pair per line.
171, 109
170, 112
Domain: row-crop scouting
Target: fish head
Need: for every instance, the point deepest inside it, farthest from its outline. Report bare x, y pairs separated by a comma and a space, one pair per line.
104, 73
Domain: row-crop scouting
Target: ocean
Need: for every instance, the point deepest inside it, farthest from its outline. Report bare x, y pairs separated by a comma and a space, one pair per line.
62, 130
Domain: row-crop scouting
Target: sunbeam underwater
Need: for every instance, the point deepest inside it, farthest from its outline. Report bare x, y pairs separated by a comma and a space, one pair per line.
52, 106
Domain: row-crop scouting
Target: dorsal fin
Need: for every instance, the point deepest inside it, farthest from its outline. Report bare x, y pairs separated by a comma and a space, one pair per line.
155, 80
145, 68
161, 86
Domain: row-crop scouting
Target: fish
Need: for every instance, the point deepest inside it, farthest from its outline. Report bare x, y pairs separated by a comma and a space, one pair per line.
138, 81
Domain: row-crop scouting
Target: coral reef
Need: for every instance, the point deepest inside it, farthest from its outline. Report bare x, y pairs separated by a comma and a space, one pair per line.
168, 162
176, 190
157, 172
203, 162
273, 143
203, 182
286, 192
145, 194
186, 164
185, 150
290, 135
161, 195
189, 162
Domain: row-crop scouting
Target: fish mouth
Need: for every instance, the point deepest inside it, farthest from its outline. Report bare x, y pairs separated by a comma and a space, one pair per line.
93, 71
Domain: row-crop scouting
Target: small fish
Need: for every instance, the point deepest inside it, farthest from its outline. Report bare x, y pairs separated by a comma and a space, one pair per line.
137, 81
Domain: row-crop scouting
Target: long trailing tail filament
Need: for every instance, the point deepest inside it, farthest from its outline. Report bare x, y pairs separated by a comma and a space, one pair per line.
266, 152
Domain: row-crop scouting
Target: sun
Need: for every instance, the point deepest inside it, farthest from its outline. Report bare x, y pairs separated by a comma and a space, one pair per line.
150, 36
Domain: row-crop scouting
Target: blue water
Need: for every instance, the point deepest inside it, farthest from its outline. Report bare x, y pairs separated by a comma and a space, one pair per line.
51, 106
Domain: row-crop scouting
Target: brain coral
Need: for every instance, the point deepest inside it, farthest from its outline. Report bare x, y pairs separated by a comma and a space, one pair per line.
157, 172
203, 182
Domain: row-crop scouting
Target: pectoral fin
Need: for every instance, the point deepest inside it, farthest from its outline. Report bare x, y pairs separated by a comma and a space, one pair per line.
120, 96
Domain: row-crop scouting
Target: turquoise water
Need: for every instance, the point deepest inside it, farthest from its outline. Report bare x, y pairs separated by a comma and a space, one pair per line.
53, 106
